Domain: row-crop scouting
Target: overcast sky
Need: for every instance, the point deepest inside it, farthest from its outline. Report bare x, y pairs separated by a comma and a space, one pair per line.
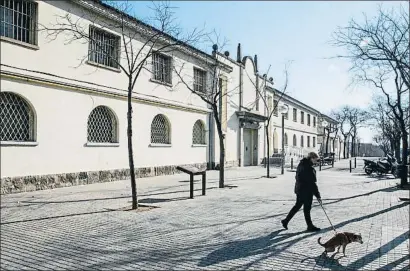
281, 31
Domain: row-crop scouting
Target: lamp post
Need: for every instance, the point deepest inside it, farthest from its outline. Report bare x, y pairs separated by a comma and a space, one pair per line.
326, 128
283, 110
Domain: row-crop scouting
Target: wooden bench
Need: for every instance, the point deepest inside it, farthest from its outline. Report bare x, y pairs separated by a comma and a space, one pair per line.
192, 171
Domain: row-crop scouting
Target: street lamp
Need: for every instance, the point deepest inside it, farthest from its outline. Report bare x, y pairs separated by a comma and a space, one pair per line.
283, 109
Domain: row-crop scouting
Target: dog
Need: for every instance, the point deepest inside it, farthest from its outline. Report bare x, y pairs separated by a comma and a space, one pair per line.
341, 239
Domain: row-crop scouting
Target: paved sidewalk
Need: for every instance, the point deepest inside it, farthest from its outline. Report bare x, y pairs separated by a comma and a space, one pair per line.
233, 228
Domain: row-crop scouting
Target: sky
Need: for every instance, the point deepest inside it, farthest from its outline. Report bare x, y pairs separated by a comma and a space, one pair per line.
283, 31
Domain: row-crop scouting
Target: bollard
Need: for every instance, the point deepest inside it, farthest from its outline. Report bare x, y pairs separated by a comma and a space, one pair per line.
333, 162
355, 162
320, 165
291, 163
350, 165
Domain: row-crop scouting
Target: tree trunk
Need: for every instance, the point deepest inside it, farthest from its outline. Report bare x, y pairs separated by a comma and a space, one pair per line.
130, 150
268, 154
404, 177
344, 147
352, 147
327, 141
221, 148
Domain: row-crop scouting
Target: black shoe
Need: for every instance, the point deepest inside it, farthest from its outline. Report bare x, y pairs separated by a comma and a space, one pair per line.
284, 224
313, 228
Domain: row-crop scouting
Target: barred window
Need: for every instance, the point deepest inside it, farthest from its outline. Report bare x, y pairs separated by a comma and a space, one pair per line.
161, 68
199, 80
160, 130
308, 141
295, 114
302, 117
294, 140
16, 118
102, 126
314, 122
286, 139
198, 133
18, 20
301, 141
308, 119
314, 142
103, 48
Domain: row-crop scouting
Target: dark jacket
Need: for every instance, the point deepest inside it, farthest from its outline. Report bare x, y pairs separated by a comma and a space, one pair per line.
306, 179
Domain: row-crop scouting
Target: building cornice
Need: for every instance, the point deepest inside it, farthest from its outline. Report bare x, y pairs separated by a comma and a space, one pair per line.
121, 94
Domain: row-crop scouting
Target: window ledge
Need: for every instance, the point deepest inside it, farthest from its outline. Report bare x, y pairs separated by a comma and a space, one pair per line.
95, 144
19, 143
158, 145
160, 82
20, 43
198, 145
92, 63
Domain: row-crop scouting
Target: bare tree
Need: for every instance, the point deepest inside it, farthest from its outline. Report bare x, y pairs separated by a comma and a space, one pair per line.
269, 108
213, 90
379, 52
357, 118
386, 125
132, 48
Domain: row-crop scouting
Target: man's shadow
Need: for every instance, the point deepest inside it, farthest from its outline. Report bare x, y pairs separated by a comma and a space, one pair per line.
245, 248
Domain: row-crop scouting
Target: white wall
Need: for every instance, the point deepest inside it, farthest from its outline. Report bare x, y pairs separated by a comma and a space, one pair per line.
57, 57
62, 134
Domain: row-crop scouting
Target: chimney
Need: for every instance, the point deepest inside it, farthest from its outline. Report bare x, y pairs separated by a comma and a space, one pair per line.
239, 55
255, 59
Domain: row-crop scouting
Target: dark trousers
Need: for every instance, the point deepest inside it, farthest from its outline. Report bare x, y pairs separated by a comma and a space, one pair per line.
306, 201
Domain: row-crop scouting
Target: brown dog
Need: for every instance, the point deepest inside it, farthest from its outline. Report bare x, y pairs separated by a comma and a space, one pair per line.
341, 239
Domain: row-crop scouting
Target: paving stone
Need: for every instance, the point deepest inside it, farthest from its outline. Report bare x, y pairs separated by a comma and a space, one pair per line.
234, 228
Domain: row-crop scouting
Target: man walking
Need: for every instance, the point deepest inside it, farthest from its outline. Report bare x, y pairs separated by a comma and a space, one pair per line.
305, 189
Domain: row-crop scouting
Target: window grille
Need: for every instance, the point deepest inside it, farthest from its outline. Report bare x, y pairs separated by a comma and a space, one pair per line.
295, 113
18, 19
294, 140
314, 142
102, 126
301, 141
160, 130
198, 133
16, 118
103, 48
302, 117
161, 68
314, 121
199, 80
308, 141
308, 119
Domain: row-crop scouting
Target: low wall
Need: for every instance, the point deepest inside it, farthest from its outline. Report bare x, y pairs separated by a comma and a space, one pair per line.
11, 185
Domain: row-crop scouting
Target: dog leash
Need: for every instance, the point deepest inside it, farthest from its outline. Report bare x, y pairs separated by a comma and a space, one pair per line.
320, 202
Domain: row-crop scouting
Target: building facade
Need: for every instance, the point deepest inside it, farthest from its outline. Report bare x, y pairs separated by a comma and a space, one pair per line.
63, 104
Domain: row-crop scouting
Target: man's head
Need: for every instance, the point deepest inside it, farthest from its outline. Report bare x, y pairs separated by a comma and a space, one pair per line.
312, 156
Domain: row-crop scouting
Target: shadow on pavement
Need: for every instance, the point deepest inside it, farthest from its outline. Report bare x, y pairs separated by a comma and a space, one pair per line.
59, 216
263, 245
246, 248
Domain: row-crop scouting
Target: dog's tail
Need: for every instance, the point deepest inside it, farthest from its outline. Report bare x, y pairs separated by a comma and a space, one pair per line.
318, 241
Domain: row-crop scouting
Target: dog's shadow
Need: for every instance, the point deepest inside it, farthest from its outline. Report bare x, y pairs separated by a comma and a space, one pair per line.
327, 262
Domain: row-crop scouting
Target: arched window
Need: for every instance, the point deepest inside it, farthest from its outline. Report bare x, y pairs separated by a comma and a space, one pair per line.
286, 139
294, 140
198, 133
102, 126
301, 141
16, 118
160, 130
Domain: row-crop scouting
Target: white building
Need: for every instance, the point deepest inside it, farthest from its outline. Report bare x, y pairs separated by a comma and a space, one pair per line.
65, 124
